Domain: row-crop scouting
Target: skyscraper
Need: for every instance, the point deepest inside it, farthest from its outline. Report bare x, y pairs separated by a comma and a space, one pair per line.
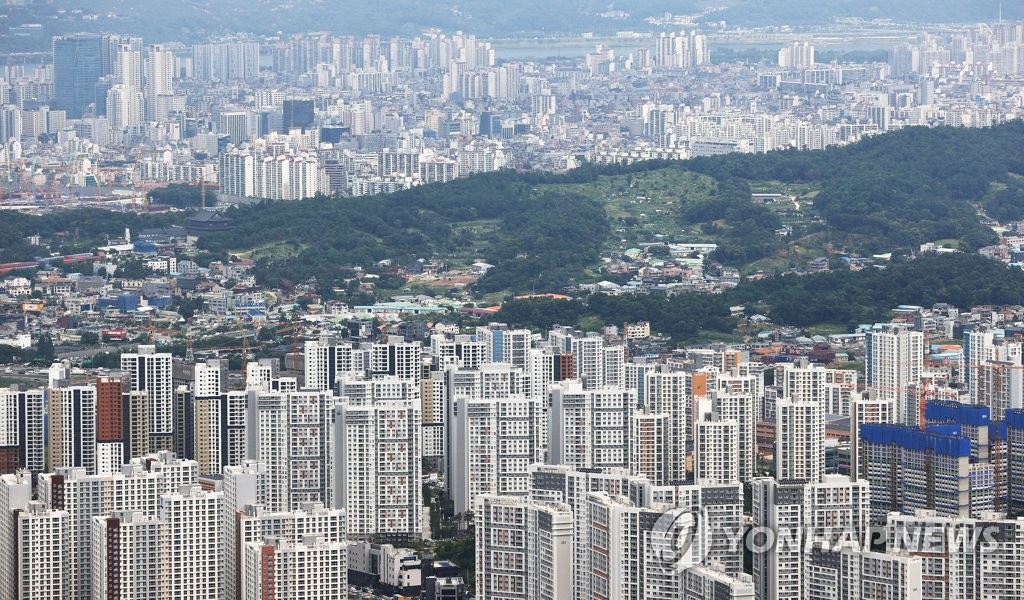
73, 427
894, 358
125, 106
110, 438
298, 114
150, 371
290, 433
159, 77
77, 67
21, 431
799, 441
377, 473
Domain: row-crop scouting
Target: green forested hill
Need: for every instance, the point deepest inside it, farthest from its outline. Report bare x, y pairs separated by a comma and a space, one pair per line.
886, 193
539, 239
543, 231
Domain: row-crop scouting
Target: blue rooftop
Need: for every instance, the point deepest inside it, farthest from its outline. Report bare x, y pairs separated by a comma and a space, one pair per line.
911, 438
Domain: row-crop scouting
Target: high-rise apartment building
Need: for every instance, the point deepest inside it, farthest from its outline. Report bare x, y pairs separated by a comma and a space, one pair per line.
910, 469
716, 450
150, 371
494, 442
524, 548
21, 429
378, 471
504, 345
672, 393
136, 488
15, 496
41, 549
778, 571
590, 428
159, 77
73, 427
290, 432
110, 425
799, 441
894, 358
736, 399
173, 554
312, 568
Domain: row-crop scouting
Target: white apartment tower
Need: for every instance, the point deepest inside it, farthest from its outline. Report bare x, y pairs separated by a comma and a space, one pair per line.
42, 548
867, 407
173, 554
524, 549
126, 555
504, 345
21, 428
244, 485
194, 541
735, 400
894, 358
673, 394
378, 471
587, 351
494, 442
15, 496
799, 441
136, 488
125, 106
159, 77
590, 428
210, 379
324, 360
290, 432
778, 571
716, 450
259, 374
310, 569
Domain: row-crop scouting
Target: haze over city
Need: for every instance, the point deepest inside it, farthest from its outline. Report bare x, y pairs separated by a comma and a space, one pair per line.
512, 300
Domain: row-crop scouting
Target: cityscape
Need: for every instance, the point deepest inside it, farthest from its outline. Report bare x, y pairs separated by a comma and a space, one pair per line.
623, 304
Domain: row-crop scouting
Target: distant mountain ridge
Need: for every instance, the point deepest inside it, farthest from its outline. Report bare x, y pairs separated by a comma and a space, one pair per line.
188, 20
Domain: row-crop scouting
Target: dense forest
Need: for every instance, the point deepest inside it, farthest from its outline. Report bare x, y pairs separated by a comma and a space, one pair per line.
537, 240
70, 231
887, 192
544, 231
840, 297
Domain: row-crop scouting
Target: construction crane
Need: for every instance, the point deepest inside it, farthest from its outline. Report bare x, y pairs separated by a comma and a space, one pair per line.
203, 184
294, 329
141, 189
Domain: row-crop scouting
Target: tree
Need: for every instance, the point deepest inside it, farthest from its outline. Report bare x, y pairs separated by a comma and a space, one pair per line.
44, 353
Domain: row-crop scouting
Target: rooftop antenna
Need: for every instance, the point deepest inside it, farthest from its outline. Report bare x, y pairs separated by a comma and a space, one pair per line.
1000, 13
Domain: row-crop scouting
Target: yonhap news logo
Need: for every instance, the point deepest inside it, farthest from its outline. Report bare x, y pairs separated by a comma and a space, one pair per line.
681, 538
